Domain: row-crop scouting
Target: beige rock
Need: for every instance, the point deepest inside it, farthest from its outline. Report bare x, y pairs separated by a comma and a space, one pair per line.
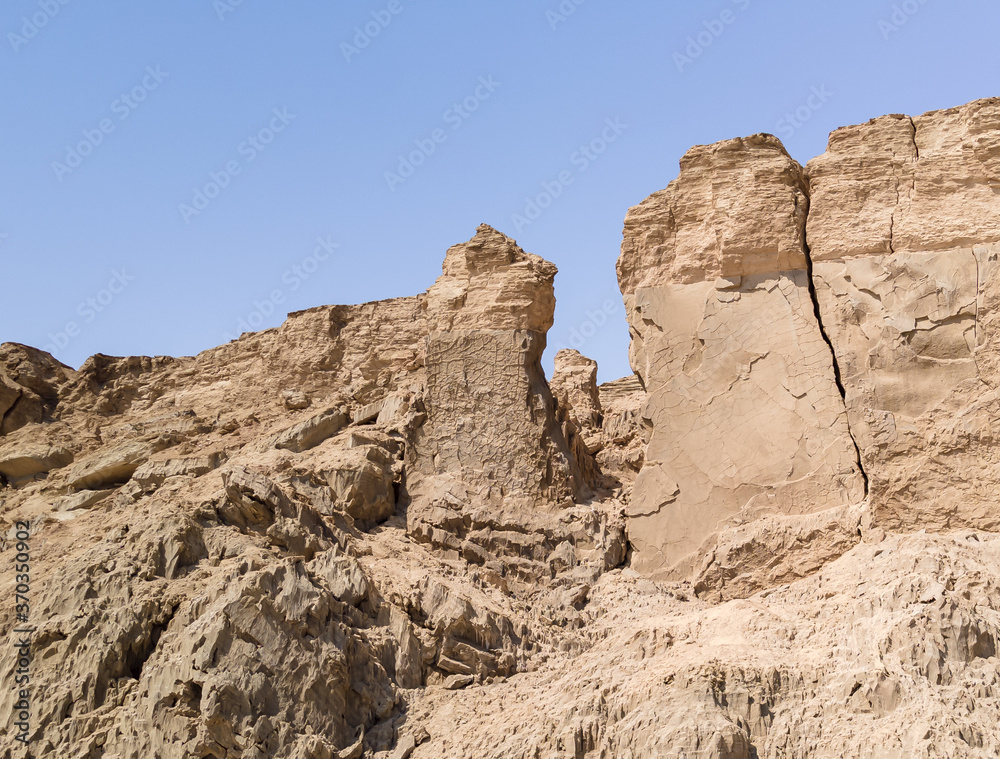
578, 409
82, 500
313, 431
746, 416
490, 283
18, 461
255, 610
574, 385
152, 474
30, 381
295, 399
624, 433
457, 682
369, 412
361, 479
904, 233
112, 466
487, 401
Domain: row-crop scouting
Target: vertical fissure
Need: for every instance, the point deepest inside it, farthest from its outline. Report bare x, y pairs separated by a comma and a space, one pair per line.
837, 377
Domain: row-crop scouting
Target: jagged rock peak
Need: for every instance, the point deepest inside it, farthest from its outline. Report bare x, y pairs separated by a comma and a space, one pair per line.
489, 282
737, 208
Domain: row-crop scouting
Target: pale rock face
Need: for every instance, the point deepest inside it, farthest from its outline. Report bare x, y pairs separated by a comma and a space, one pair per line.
737, 208
574, 384
29, 385
747, 420
396, 569
578, 409
490, 283
624, 433
488, 403
904, 230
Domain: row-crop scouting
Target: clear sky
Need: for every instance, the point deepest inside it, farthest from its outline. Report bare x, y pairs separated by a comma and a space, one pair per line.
174, 173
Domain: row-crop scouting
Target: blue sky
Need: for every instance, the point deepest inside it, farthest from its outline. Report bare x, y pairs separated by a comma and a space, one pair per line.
173, 173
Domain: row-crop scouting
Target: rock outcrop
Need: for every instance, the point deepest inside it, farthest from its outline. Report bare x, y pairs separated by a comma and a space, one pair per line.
747, 420
378, 532
904, 232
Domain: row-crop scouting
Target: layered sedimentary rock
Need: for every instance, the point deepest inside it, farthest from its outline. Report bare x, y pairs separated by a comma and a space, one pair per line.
578, 409
366, 534
624, 433
747, 420
226, 544
904, 230
495, 471
491, 417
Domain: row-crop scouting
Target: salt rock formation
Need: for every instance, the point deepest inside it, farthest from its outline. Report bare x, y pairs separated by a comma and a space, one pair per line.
578, 403
624, 433
376, 532
251, 552
491, 419
747, 420
904, 229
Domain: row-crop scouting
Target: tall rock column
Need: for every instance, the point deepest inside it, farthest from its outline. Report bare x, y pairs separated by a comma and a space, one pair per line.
747, 420
905, 235
491, 422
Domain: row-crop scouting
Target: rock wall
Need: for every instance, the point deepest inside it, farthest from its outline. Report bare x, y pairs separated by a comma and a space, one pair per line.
491, 415
375, 532
904, 230
747, 420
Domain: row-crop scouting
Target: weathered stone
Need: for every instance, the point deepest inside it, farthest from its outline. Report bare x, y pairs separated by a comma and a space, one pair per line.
82, 500
746, 416
368, 412
294, 399
490, 283
574, 385
343, 576
312, 431
905, 234
152, 474
112, 466
259, 611
252, 499
457, 682
19, 460
362, 482
624, 434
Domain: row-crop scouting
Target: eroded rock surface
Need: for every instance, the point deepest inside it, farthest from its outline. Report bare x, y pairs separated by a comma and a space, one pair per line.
747, 420
377, 532
904, 234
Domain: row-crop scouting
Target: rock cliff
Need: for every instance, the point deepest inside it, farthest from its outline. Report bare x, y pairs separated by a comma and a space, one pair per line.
379, 531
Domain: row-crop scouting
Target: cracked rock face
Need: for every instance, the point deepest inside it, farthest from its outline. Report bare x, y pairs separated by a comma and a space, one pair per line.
904, 229
746, 417
377, 532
